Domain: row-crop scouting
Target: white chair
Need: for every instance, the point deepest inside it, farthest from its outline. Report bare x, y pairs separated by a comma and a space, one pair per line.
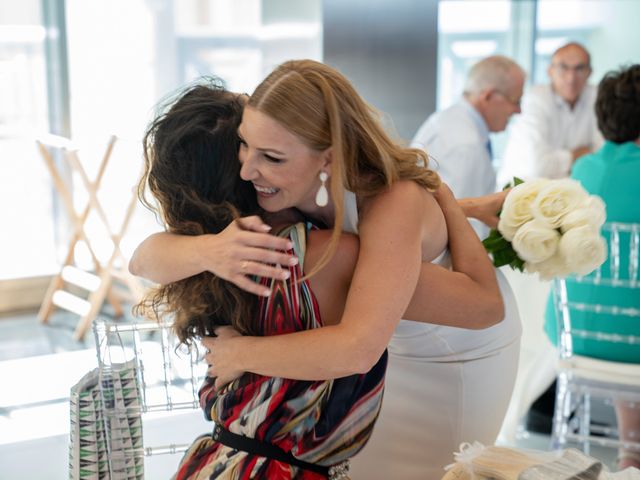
587, 325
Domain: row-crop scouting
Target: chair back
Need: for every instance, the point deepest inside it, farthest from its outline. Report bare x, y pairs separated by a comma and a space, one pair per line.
598, 321
146, 380
604, 306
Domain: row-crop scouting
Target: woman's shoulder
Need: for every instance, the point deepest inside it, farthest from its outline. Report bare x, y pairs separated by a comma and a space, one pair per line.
346, 251
399, 191
331, 283
403, 200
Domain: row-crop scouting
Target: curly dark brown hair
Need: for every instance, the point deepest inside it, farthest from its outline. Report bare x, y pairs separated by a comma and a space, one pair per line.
192, 170
618, 105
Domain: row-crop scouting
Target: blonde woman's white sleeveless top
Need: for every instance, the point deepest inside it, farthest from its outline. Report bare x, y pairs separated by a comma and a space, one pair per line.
438, 343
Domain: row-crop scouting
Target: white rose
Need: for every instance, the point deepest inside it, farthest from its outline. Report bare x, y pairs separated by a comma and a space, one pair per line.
550, 268
516, 210
558, 198
535, 241
590, 214
583, 250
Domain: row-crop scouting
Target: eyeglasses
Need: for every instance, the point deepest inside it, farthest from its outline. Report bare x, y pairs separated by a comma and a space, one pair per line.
581, 70
515, 103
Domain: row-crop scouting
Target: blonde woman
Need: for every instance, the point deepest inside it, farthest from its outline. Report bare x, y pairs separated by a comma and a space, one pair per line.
308, 141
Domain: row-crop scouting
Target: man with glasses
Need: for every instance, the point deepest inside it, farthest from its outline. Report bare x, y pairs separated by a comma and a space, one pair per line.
557, 126
558, 123
457, 138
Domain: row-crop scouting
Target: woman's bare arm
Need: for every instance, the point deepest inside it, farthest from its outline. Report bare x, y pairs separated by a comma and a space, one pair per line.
239, 251
384, 280
165, 257
466, 297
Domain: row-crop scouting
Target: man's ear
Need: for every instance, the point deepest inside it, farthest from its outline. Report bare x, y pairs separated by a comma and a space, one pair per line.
327, 160
485, 95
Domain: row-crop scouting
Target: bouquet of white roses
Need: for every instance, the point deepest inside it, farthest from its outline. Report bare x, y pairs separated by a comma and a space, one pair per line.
551, 227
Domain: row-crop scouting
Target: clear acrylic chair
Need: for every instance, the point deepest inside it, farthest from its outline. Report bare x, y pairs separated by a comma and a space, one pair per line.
145, 376
586, 324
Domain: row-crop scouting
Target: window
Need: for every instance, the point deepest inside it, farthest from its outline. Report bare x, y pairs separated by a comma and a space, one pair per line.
27, 246
529, 31
606, 28
124, 56
241, 41
467, 32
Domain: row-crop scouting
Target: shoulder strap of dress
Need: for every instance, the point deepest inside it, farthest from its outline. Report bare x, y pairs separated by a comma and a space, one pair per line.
350, 219
297, 233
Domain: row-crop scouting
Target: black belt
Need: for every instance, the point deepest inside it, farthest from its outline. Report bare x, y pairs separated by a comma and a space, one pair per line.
264, 449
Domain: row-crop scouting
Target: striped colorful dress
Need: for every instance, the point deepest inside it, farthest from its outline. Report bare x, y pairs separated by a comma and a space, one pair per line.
323, 422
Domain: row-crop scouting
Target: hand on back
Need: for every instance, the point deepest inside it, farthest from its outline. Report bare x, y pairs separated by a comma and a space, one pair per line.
217, 368
485, 208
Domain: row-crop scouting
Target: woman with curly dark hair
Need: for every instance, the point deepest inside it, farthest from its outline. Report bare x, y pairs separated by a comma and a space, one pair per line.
272, 427
191, 169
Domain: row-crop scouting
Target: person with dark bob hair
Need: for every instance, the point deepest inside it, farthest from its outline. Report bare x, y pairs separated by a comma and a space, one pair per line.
618, 105
270, 427
613, 173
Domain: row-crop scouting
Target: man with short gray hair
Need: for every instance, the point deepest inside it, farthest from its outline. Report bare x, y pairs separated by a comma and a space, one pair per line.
457, 139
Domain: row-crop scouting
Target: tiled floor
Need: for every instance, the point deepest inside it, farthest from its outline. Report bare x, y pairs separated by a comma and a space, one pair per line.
39, 364
21, 335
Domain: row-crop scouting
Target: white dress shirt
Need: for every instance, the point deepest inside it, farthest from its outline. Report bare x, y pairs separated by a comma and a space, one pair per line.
457, 141
458, 144
542, 137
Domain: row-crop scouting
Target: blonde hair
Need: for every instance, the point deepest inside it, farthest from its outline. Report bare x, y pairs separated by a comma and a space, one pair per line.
319, 105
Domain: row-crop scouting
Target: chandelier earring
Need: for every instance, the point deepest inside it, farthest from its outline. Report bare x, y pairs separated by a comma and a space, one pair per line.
322, 197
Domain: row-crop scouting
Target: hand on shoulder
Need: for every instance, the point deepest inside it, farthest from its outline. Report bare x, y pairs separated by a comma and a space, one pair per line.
245, 249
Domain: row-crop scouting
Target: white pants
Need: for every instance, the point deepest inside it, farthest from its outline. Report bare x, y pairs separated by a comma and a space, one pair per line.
444, 386
538, 357
429, 408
